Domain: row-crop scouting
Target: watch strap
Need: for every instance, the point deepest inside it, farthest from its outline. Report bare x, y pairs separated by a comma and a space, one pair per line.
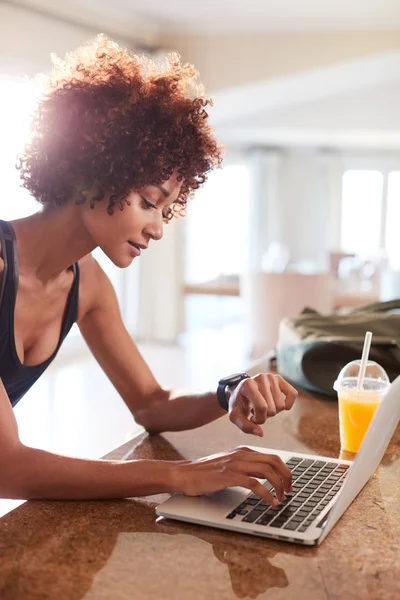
224, 383
221, 396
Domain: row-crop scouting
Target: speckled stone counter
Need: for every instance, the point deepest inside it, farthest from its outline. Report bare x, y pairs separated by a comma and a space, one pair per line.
115, 550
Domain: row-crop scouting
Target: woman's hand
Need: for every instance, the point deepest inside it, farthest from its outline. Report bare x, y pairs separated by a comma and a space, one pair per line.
239, 467
257, 398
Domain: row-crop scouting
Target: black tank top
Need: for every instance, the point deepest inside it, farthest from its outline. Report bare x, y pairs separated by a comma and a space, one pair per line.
18, 378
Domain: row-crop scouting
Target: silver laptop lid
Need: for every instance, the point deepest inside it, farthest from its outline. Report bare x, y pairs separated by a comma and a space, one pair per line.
373, 447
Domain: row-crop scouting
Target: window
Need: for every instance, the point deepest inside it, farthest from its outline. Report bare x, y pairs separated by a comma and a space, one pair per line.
371, 213
217, 225
393, 220
361, 211
17, 97
216, 232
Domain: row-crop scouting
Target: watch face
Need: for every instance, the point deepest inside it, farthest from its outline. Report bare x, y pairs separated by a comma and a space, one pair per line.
232, 379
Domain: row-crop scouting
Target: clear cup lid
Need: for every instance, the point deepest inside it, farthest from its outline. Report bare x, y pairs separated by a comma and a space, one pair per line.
375, 379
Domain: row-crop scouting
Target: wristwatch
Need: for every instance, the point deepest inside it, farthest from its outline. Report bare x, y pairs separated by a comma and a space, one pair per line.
230, 381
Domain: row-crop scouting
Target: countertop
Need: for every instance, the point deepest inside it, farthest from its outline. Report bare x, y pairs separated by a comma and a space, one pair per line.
115, 550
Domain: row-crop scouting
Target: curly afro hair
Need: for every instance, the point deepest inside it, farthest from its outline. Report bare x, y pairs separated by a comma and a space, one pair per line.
110, 122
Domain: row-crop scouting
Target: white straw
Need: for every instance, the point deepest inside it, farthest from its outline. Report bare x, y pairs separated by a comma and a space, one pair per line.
364, 360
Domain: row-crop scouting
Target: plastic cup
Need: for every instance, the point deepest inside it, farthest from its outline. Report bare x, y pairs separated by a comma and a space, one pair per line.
357, 406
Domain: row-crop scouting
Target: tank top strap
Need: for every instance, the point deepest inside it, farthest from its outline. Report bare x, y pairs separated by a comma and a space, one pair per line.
9, 284
71, 314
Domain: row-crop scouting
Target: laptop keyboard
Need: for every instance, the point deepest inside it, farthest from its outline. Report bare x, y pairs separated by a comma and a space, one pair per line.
315, 483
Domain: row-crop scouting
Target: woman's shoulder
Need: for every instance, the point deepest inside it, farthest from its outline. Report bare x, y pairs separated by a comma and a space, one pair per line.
92, 280
89, 270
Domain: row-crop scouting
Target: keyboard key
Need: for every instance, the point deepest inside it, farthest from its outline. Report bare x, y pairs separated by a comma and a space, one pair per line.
242, 511
287, 513
254, 497
341, 468
231, 515
296, 503
307, 462
274, 511
297, 518
303, 528
265, 519
252, 501
252, 516
277, 523
294, 460
319, 463
291, 526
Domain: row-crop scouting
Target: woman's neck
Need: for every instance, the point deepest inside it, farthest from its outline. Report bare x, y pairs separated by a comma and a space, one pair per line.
51, 240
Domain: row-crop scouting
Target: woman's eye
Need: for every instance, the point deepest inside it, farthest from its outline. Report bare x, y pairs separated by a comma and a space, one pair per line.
147, 204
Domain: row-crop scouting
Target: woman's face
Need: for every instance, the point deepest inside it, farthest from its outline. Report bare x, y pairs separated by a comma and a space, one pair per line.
125, 234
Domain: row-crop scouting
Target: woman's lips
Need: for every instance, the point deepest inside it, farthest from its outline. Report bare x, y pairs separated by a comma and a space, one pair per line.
135, 251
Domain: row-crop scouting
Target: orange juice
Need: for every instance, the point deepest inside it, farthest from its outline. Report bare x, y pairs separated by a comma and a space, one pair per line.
356, 410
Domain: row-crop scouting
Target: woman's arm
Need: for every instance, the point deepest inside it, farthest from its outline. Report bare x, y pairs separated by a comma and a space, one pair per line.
28, 473
31, 473
156, 408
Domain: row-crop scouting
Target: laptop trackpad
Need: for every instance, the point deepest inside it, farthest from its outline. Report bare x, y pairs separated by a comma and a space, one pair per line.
203, 507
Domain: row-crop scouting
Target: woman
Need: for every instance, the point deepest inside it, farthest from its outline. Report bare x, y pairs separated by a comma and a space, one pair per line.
118, 145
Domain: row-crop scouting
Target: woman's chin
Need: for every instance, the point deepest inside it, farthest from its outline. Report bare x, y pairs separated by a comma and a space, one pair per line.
121, 260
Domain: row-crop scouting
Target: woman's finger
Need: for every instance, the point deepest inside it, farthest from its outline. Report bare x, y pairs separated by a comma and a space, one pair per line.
239, 418
256, 487
265, 390
273, 461
279, 397
263, 471
290, 392
256, 399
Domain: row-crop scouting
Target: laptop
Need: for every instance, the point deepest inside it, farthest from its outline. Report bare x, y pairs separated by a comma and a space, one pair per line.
323, 488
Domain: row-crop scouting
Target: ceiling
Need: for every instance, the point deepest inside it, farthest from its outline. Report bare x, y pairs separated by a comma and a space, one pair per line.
206, 16
354, 104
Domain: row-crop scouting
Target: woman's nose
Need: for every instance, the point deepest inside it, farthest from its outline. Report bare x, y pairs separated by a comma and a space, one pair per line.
156, 229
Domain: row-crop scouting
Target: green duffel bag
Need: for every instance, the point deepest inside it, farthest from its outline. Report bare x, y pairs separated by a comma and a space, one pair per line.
312, 348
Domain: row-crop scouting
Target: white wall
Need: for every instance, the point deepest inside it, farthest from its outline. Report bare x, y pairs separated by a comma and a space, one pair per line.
27, 39
296, 201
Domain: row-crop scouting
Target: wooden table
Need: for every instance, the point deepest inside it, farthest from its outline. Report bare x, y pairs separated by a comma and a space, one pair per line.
115, 550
